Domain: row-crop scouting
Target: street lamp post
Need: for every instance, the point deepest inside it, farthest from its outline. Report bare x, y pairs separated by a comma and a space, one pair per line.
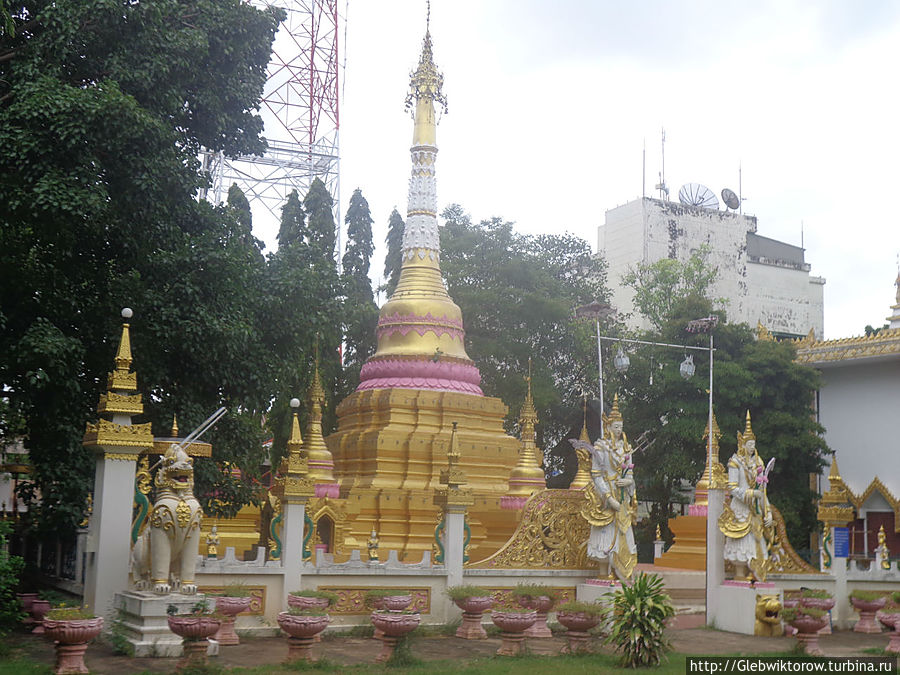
597, 310
706, 325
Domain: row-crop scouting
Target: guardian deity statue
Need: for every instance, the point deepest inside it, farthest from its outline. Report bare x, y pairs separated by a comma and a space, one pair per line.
746, 520
611, 506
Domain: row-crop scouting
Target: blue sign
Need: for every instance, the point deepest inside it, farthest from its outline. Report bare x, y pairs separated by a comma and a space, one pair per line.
841, 542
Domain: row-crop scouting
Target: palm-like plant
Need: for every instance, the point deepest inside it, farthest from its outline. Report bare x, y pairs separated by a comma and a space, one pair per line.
638, 619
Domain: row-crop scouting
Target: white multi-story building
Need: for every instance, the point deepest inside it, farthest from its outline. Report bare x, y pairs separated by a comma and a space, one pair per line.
763, 280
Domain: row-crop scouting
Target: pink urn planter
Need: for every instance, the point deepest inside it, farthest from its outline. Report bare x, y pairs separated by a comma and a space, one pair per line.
195, 629
541, 604
396, 603
891, 620
577, 625
27, 600
39, 609
513, 626
393, 626
230, 607
808, 633
72, 637
867, 609
306, 602
473, 609
825, 604
302, 632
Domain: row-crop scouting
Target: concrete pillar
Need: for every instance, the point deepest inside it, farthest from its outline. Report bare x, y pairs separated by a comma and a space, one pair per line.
715, 549
454, 538
80, 542
108, 544
842, 612
292, 522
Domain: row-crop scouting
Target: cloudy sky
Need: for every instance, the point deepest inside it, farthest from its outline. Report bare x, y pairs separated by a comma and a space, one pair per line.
552, 103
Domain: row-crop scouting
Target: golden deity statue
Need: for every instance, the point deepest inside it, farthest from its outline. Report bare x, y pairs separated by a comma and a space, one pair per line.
611, 508
372, 546
212, 543
746, 520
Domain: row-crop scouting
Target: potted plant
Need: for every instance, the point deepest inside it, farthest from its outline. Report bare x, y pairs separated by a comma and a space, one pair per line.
71, 628
309, 599
638, 619
474, 602
817, 598
541, 599
388, 598
302, 626
39, 608
867, 603
578, 618
195, 629
393, 624
234, 599
512, 620
890, 617
807, 621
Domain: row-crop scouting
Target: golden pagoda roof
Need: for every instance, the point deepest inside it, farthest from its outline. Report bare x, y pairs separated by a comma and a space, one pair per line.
885, 342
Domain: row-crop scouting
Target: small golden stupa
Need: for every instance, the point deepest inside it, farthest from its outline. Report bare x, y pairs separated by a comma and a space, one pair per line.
394, 431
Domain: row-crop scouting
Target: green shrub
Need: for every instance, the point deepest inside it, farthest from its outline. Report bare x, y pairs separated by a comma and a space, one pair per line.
867, 596
328, 595
463, 592
589, 608
638, 619
69, 613
818, 593
11, 567
236, 589
296, 611
791, 613
534, 591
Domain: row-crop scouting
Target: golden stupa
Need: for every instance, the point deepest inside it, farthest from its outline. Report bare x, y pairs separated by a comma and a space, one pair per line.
394, 431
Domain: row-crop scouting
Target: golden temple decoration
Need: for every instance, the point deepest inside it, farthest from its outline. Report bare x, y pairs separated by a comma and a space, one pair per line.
701, 494
884, 342
763, 334
658, 533
372, 547
352, 599
89, 509
212, 543
104, 432
783, 559
551, 535
108, 434
426, 82
319, 459
294, 483
143, 478
125, 404
583, 475
836, 506
325, 511
503, 596
453, 496
883, 549
527, 476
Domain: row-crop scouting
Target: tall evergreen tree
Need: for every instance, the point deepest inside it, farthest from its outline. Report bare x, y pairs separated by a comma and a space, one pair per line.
394, 258
360, 312
320, 226
293, 222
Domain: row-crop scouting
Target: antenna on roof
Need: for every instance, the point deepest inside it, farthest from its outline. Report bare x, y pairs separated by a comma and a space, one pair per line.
661, 185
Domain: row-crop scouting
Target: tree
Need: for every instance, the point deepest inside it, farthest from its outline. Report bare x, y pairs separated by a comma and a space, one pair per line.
393, 261
360, 314
759, 376
320, 227
517, 294
104, 106
659, 286
292, 231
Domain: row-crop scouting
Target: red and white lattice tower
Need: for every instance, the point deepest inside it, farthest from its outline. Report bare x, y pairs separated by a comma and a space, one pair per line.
300, 112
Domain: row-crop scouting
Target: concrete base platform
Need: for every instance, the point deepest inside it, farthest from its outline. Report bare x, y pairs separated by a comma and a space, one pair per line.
143, 618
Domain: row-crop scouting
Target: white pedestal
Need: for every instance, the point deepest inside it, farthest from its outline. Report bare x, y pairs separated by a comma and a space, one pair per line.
143, 617
736, 602
601, 591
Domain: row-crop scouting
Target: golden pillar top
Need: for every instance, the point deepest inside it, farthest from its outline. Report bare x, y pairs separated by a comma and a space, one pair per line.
420, 329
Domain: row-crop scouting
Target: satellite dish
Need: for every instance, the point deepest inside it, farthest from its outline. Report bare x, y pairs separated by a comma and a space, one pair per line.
694, 194
731, 200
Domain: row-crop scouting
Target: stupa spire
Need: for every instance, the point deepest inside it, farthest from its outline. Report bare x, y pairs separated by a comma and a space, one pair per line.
420, 329
527, 476
321, 463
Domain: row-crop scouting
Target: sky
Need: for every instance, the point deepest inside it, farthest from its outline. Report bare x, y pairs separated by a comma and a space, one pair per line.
551, 104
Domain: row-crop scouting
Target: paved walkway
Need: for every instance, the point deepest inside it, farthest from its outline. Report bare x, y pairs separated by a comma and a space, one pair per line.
349, 651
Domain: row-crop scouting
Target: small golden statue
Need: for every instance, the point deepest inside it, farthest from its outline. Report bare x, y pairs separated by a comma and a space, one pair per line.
212, 543
372, 545
883, 549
